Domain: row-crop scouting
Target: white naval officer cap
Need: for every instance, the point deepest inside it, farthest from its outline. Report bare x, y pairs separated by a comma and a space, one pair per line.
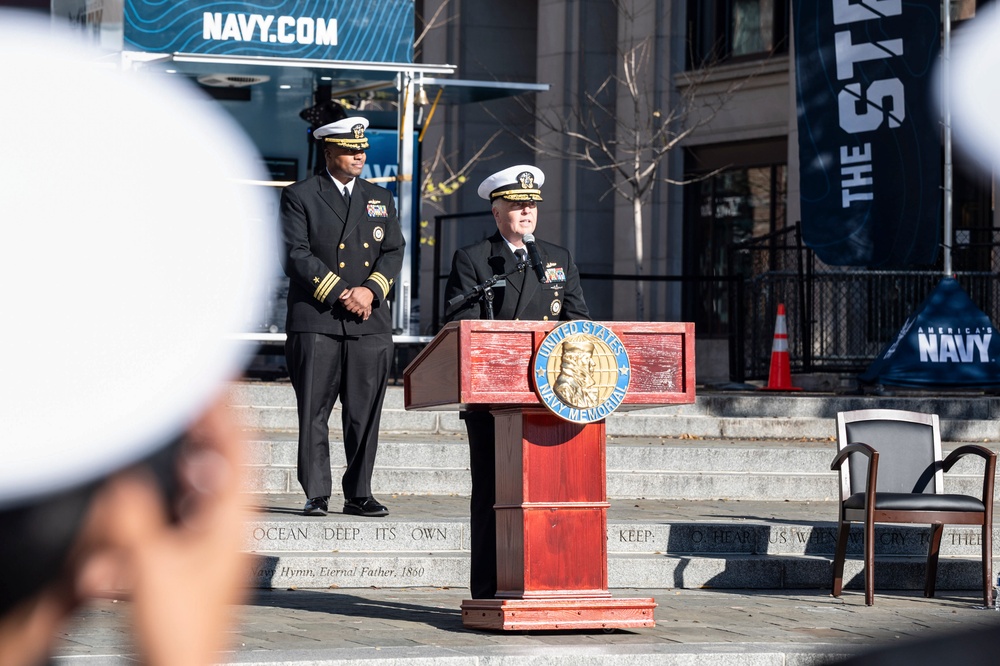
517, 183
346, 133
125, 271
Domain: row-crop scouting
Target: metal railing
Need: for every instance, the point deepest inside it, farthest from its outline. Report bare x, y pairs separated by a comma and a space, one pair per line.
839, 319
712, 288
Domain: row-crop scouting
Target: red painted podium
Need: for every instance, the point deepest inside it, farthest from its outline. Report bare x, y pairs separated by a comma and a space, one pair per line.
551, 494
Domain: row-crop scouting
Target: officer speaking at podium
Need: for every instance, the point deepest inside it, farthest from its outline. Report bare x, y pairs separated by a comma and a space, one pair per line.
541, 283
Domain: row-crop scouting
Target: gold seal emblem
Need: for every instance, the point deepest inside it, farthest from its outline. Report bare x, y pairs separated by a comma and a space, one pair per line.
575, 383
359, 131
581, 371
555, 307
526, 179
377, 233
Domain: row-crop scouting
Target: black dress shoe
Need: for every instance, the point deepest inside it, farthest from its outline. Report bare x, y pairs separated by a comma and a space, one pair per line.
317, 506
365, 506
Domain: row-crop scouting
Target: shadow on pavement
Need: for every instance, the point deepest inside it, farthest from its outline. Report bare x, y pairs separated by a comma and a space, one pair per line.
345, 604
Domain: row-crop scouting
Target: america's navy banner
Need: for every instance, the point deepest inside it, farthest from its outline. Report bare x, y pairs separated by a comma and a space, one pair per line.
869, 137
947, 342
369, 31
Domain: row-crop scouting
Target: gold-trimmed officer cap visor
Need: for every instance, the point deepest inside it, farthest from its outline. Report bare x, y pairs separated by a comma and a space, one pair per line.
347, 133
514, 192
347, 141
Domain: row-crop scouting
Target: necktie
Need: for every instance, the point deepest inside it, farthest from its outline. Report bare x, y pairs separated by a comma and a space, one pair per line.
347, 196
520, 254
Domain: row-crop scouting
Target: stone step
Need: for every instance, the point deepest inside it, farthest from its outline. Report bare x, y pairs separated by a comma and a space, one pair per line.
738, 404
771, 572
651, 544
965, 418
620, 485
702, 539
732, 491
623, 453
636, 467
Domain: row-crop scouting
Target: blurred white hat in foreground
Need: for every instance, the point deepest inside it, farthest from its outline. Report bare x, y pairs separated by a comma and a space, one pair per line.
974, 90
129, 255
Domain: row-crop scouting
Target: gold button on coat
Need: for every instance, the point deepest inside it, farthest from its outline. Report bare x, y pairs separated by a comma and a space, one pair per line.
342, 264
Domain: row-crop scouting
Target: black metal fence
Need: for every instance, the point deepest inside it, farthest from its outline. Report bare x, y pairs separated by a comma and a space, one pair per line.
838, 319
701, 290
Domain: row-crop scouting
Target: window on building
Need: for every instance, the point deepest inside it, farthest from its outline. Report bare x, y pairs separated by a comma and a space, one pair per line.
733, 205
725, 30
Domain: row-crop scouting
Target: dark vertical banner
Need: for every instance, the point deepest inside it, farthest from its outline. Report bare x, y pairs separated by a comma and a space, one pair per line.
869, 136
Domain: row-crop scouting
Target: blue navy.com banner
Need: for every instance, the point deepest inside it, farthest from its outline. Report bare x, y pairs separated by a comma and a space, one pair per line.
368, 31
869, 139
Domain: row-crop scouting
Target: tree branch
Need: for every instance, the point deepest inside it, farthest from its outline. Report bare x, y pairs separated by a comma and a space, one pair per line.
433, 191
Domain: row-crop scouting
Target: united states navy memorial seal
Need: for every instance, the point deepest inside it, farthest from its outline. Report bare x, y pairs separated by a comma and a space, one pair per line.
581, 371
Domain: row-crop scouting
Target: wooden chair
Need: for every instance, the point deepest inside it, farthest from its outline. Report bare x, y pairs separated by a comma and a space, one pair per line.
894, 474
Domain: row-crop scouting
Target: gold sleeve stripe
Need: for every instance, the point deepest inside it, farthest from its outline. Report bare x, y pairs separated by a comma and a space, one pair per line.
329, 288
324, 288
319, 287
381, 281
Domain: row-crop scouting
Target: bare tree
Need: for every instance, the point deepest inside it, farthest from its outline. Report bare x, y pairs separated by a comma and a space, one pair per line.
620, 130
435, 21
441, 178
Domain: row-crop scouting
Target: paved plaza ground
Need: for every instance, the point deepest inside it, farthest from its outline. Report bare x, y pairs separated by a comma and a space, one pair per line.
423, 626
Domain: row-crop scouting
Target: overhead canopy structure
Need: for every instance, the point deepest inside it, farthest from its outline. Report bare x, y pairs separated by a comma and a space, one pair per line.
267, 65
284, 86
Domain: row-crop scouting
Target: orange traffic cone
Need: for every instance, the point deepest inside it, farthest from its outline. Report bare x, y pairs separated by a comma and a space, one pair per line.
780, 378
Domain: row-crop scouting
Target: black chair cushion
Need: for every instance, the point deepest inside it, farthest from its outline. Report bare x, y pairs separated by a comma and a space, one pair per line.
917, 502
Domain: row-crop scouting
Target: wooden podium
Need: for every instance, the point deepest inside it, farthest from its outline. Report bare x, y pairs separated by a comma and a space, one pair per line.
551, 494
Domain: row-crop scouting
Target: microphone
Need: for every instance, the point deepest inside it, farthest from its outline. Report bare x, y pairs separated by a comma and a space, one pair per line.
536, 260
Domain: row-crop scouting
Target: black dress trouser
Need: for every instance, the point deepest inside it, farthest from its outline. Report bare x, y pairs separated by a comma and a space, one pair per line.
483, 519
324, 368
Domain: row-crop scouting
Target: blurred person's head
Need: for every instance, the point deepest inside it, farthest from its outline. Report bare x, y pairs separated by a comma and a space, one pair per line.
125, 275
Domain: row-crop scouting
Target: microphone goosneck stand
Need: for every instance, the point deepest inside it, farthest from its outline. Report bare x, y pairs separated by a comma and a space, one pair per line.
484, 290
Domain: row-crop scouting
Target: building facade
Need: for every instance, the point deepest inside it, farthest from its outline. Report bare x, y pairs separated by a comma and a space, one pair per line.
667, 134
720, 73
709, 78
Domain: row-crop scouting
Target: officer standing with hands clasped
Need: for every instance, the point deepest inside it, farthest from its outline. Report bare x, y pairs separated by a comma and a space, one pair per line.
343, 247
547, 288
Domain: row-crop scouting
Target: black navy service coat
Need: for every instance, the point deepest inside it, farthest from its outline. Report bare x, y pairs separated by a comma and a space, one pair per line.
328, 249
522, 296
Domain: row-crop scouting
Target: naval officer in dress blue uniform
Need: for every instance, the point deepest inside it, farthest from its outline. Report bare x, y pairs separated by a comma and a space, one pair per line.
343, 248
551, 292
